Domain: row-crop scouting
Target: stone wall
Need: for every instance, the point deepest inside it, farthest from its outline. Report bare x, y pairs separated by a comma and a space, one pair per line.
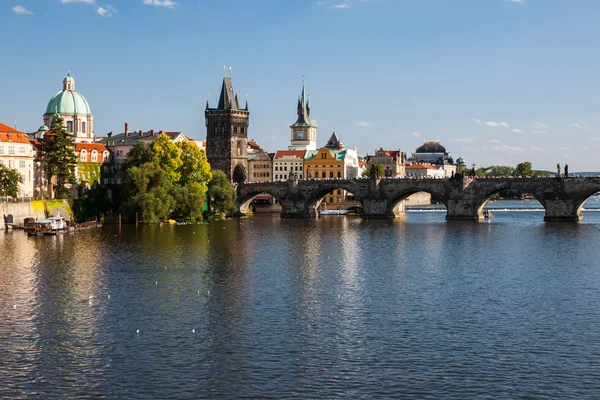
37, 209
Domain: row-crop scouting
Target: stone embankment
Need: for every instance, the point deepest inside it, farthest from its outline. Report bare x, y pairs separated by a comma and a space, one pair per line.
39, 209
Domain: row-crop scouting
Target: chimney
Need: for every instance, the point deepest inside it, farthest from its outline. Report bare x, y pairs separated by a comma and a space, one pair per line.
9, 137
126, 128
152, 132
141, 133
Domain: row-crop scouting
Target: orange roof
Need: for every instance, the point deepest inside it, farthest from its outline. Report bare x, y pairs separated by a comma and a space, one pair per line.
253, 144
90, 146
7, 129
420, 166
362, 163
14, 137
290, 153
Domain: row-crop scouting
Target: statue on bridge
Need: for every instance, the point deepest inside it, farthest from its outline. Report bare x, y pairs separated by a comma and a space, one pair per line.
308, 173
566, 170
558, 170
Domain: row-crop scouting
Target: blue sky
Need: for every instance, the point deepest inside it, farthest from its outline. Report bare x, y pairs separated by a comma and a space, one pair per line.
496, 81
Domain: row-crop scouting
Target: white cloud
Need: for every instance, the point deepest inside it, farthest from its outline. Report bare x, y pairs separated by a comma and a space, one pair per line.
477, 121
540, 125
463, 139
504, 125
495, 124
577, 125
341, 5
515, 1
492, 124
364, 124
505, 148
494, 141
160, 3
416, 134
21, 10
517, 130
78, 1
109, 11
535, 148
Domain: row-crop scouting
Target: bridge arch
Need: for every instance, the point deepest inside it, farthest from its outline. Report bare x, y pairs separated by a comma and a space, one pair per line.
518, 185
338, 191
243, 200
396, 198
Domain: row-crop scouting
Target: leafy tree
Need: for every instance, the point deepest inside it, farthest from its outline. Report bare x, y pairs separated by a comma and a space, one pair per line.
139, 154
495, 170
523, 169
9, 181
194, 164
378, 168
189, 201
151, 192
168, 156
61, 159
221, 193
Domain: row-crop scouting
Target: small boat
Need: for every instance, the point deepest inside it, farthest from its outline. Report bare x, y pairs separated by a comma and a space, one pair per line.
333, 212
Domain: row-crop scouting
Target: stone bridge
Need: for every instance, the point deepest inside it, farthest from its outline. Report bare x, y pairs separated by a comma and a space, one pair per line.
464, 197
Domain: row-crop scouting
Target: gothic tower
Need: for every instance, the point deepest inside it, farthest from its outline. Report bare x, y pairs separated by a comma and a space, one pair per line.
303, 132
227, 134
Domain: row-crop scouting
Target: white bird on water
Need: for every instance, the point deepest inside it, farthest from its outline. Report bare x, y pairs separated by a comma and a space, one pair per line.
137, 331
193, 330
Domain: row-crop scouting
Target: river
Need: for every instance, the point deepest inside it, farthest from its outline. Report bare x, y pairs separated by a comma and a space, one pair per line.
336, 307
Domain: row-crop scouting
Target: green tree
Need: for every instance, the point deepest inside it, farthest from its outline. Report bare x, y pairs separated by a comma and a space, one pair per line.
496, 170
151, 192
61, 159
168, 156
194, 164
189, 201
9, 181
523, 169
378, 168
221, 193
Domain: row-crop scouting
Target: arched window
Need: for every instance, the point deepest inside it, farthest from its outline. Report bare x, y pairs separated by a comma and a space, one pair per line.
94, 156
70, 126
339, 174
331, 174
83, 127
83, 155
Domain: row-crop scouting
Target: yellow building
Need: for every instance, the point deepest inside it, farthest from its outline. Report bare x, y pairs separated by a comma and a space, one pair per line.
326, 163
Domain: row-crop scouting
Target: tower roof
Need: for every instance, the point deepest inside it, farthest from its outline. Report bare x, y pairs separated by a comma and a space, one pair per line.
228, 99
303, 109
334, 142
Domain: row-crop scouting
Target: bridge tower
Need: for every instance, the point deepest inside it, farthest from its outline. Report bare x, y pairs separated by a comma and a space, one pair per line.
227, 134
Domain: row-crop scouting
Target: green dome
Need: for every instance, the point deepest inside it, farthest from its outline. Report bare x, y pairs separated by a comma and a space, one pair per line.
68, 78
68, 102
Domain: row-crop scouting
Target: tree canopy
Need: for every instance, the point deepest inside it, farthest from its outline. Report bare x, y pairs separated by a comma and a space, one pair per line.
61, 159
221, 194
165, 180
378, 169
522, 169
9, 181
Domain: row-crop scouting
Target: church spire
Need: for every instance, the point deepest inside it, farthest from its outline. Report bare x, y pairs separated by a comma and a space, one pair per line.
303, 109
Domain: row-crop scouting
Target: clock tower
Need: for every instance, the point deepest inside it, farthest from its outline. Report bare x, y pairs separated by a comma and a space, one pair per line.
303, 132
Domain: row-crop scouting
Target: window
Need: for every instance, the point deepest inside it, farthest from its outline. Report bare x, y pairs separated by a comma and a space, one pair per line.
21, 163
285, 168
339, 174
83, 127
70, 126
331, 174
94, 156
296, 169
323, 155
1, 149
276, 176
11, 163
21, 149
331, 199
339, 191
83, 156
11, 149
276, 168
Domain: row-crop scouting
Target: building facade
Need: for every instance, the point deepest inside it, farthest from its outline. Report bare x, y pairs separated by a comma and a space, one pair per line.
260, 164
303, 132
74, 110
391, 160
286, 162
227, 134
432, 152
16, 152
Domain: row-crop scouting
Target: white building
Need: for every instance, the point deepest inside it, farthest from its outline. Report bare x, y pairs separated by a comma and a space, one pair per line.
16, 152
287, 161
425, 171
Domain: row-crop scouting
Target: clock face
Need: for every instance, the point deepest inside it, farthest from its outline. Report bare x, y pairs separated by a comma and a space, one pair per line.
300, 135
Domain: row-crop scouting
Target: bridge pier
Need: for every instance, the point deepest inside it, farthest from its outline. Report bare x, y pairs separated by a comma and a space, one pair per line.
562, 210
380, 208
296, 208
462, 210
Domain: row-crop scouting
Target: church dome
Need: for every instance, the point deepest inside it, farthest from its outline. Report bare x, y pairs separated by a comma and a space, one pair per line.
431, 147
68, 100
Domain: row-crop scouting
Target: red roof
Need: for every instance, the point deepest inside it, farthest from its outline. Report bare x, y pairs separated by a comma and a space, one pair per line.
14, 137
7, 129
420, 166
290, 153
90, 146
254, 145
